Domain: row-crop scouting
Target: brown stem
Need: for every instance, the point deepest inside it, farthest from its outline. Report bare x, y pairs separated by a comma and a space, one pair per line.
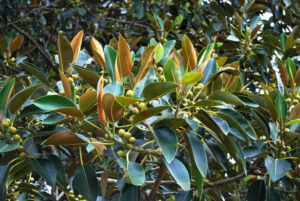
157, 182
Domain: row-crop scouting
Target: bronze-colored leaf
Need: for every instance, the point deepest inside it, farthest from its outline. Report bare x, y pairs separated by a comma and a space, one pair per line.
113, 43
98, 147
189, 53
113, 110
64, 138
124, 57
297, 77
283, 73
87, 100
76, 45
133, 44
66, 84
15, 44
146, 61
100, 101
229, 79
295, 112
98, 52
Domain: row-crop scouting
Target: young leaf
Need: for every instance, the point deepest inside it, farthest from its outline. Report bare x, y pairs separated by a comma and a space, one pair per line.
159, 52
281, 108
172, 72
110, 55
76, 45
89, 76
124, 57
146, 61
191, 78
66, 84
99, 99
113, 110
87, 100
189, 53
65, 53
167, 141
98, 52
15, 44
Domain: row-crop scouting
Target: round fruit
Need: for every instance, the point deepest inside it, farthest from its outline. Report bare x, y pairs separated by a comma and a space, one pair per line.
127, 135
121, 132
288, 100
159, 70
142, 106
283, 153
288, 148
155, 79
70, 79
120, 153
286, 130
31, 179
75, 76
278, 141
106, 136
132, 140
5, 124
17, 137
295, 101
80, 196
135, 110
189, 94
129, 93
12, 130
21, 148
162, 78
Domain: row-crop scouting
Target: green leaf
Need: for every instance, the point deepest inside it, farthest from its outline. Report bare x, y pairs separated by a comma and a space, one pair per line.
199, 154
277, 168
172, 72
283, 38
21, 97
207, 103
60, 169
3, 44
281, 108
167, 49
57, 103
65, 52
85, 180
5, 94
110, 55
157, 89
291, 69
170, 122
256, 191
237, 120
5, 147
191, 78
167, 142
136, 173
126, 101
226, 97
159, 52
180, 174
3, 177
44, 168
88, 76
36, 71
54, 119
143, 115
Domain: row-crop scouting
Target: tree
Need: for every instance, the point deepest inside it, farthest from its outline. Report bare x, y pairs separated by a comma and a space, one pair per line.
187, 101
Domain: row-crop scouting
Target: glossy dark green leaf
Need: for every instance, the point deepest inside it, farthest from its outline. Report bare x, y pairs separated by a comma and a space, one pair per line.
170, 122
5, 94
167, 49
283, 38
45, 168
180, 174
110, 55
58, 103
223, 125
36, 71
115, 88
291, 69
3, 178
136, 173
209, 71
281, 107
191, 78
21, 97
237, 120
256, 191
85, 180
87, 75
60, 169
167, 141
199, 154
126, 101
6, 147
277, 168
226, 97
184, 196
158, 89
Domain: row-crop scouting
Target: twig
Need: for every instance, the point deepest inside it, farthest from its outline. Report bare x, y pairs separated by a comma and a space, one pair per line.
157, 182
44, 52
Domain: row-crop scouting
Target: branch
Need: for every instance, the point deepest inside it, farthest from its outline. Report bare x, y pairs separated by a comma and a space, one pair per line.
43, 51
157, 182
